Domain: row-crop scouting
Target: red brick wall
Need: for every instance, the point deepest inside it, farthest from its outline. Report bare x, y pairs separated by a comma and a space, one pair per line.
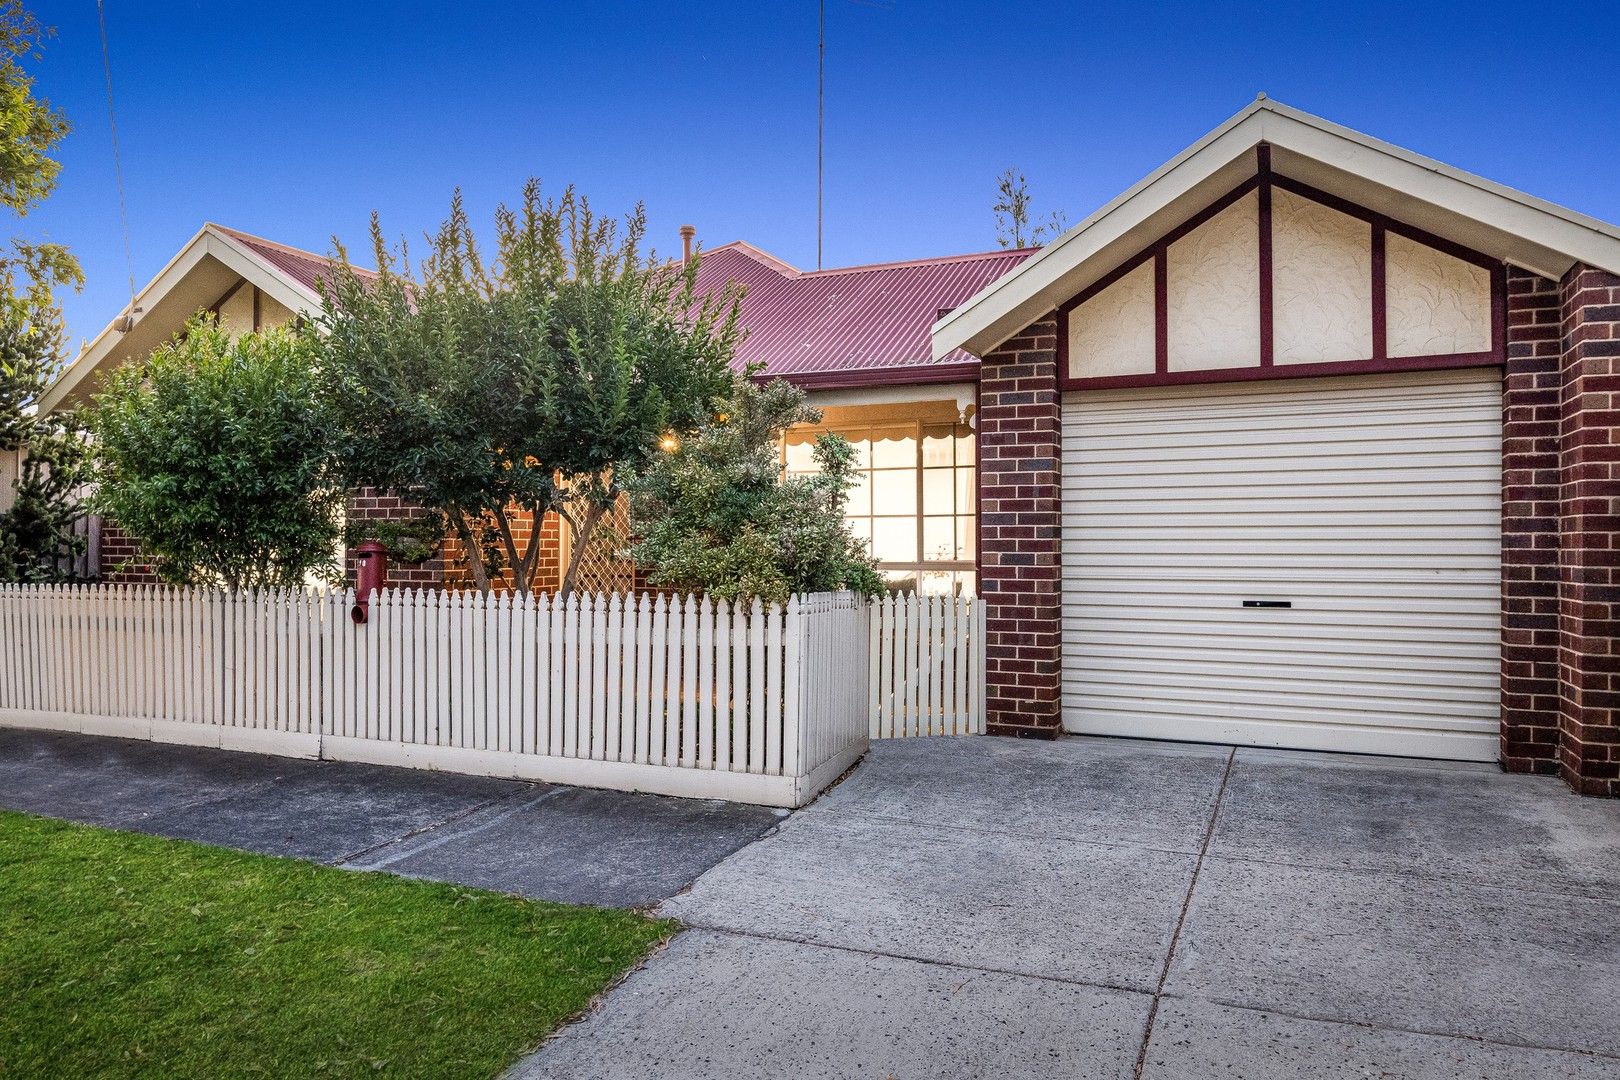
1589, 535
448, 569
367, 504
1020, 533
1531, 493
122, 562
548, 572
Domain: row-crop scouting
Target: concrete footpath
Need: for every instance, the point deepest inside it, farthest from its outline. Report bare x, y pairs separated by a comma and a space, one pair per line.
549, 842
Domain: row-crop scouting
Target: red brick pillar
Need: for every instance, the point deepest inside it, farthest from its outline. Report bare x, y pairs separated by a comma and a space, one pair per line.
1020, 533
1531, 497
1589, 532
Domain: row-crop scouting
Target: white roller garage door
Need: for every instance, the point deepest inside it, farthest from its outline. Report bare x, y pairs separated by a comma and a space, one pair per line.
1370, 505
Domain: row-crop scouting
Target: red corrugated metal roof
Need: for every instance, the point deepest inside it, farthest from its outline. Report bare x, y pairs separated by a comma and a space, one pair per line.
814, 324
856, 318
304, 267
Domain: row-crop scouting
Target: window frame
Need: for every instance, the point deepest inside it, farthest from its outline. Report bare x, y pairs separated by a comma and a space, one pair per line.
964, 571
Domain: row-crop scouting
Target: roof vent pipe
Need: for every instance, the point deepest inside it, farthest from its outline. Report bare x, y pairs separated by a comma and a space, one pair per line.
687, 233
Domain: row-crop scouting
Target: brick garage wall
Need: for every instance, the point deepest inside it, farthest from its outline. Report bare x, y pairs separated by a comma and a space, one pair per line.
1589, 535
1020, 533
1531, 494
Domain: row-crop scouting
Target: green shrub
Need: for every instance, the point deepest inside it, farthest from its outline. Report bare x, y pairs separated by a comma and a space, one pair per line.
216, 454
717, 515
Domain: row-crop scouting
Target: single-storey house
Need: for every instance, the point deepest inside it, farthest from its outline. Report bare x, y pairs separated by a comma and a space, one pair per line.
1305, 440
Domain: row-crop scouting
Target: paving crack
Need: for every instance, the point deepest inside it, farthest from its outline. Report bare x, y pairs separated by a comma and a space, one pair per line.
402, 841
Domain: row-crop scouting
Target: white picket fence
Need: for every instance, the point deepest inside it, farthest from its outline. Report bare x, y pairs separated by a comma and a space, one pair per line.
926, 666
679, 696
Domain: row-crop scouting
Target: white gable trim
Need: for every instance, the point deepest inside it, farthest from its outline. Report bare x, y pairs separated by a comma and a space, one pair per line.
1470, 210
209, 241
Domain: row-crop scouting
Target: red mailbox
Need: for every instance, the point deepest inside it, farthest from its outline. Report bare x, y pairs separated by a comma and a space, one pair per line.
371, 576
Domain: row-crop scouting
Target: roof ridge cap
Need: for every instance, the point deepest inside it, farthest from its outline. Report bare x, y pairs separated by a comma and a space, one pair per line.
936, 260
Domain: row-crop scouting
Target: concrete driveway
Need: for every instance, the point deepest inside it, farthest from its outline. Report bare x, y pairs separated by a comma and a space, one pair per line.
1107, 908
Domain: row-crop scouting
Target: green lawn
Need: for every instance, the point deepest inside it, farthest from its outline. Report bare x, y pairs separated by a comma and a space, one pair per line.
129, 955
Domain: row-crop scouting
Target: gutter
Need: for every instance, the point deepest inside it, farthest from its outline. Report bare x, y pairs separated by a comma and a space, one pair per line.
908, 375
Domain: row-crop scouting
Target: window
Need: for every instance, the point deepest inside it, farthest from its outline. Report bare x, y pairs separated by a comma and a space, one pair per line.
913, 502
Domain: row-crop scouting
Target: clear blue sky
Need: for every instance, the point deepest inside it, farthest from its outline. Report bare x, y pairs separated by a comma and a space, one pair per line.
295, 120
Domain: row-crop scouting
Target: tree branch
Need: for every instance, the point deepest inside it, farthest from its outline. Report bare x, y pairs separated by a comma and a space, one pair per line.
582, 541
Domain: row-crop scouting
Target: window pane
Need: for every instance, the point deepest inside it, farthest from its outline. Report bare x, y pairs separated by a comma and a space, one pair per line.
894, 491
894, 539
938, 491
800, 444
901, 580
964, 445
860, 496
894, 448
939, 539
968, 582
938, 444
966, 489
861, 529
965, 537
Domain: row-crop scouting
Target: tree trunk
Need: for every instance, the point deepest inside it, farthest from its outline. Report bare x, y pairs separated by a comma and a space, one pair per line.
520, 575
475, 553
522, 564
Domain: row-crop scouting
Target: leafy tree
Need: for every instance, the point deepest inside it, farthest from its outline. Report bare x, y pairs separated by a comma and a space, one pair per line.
717, 514
217, 454
494, 391
51, 459
1012, 209
36, 538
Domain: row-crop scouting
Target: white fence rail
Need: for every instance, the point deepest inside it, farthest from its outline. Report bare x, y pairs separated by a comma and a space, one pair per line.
926, 666
680, 696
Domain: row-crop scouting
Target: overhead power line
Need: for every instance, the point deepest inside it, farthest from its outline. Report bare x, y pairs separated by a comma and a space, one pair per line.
118, 168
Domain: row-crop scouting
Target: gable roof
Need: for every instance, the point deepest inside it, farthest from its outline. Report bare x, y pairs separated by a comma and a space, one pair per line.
213, 260
856, 325
822, 327
1469, 210
305, 268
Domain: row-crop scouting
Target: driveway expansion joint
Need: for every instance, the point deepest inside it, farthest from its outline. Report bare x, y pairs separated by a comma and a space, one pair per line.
1367, 1025
1181, 919
976, 969
1433, 877
943, 826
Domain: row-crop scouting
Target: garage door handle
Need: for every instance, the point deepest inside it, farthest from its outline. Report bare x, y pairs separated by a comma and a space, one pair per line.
1268, 603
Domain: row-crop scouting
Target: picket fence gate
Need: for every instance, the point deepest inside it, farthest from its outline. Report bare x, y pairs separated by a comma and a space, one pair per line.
926, 666
674, 695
